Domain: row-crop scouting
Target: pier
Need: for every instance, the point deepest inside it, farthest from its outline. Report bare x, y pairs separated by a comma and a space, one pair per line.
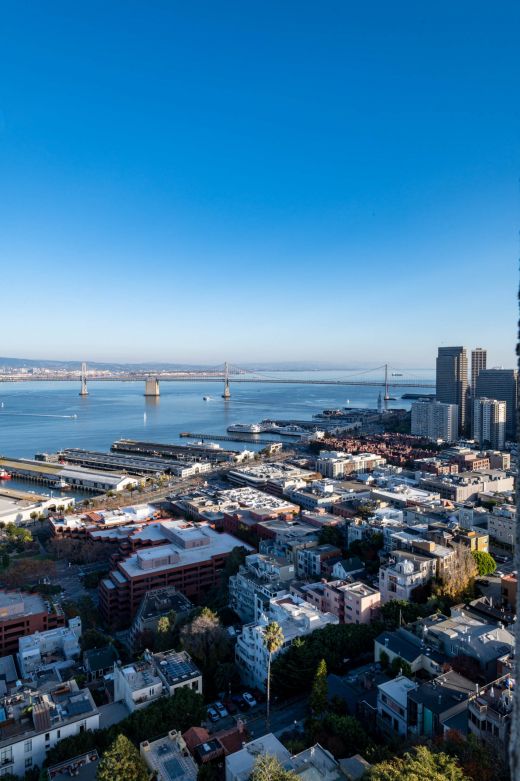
251, 438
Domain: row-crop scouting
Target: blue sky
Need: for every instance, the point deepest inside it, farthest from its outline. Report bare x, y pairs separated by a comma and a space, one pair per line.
260, 180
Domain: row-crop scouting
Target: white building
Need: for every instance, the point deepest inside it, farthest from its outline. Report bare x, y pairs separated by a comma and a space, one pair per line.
397, 580
166, 753
296, 618
435, 420
392, 705
45, 650
336, 464
157, 675
502, 524
260, 579
36, 720
489, 422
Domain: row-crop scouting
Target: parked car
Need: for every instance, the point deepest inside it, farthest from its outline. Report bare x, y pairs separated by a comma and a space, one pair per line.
222, 712
249, 699
239, 701
212, 714
498, 573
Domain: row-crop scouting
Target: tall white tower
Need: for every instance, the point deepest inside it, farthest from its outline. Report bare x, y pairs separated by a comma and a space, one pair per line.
84, 389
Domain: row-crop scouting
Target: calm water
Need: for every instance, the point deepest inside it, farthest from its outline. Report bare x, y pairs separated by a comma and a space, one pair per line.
37, 416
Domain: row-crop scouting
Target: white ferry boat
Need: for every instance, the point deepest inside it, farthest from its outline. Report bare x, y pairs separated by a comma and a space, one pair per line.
245, 428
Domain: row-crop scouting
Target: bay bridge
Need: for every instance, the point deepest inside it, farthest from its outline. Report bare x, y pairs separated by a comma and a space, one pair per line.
384, 376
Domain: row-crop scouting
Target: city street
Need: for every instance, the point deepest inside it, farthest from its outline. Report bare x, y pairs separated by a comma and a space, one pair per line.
285, 715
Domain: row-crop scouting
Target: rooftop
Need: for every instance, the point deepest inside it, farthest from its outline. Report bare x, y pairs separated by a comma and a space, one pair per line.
176, 666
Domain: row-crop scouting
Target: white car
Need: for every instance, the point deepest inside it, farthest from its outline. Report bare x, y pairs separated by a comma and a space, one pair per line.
222, 711
250, 700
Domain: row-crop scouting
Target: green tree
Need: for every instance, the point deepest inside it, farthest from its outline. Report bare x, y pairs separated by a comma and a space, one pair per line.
318, 699
421, 764
485, 562
397, 612
273, 641
121, 762
399, 666
93, 638
342, 735
269, 768
332, 535
384, 660
206, 640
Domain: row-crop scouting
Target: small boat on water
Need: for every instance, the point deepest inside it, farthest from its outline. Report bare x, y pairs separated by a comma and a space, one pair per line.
206, 398
4, 475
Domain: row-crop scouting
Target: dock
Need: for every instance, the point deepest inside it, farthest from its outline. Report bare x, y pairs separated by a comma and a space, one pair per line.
252, 439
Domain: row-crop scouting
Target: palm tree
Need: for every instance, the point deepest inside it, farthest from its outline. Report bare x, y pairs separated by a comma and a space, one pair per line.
273, 641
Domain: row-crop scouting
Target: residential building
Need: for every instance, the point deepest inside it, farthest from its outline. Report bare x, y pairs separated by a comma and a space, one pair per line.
489, 422
399, 578
468, 485
361, 602
490, 714
500, 384
176, 670
310, 562
403, 644
193, 562
155, 605
435, 420
260, 579
56, 648
296, 618
99, 662
336, 465
392, 705
141, 683
35, 720
312, 763
502, 524
168, 758
432, 703
508, 590
348, 568
478, 364
464, 635
452, 380
24, 614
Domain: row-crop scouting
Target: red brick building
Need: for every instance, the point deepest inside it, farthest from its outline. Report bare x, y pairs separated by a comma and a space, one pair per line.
191, 558
24, 614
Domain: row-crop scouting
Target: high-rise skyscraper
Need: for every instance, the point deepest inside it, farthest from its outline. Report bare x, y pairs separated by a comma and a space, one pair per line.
452, 379
501, 384
435, 420
478, 364
489, 422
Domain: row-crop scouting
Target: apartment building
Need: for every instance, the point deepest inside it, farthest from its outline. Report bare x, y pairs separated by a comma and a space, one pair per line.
156, 675
193, 562
399, 577
260, 579
55, 648
35, 720
296, 618
435, 420
489, 422
24, 614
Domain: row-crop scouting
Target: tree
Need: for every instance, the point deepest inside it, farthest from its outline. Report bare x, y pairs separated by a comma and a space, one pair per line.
460, 577
121, 762
399, 666
26, 572
485, 562
318, 699
206, 640
93, 638
421, 764
269, 768
273, 641
397, 612
341, 735
332, 535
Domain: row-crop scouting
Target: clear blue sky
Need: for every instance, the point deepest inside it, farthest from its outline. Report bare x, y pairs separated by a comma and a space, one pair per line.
259, 179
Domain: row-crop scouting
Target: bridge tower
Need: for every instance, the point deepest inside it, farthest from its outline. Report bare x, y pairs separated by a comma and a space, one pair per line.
227, 394
84, 389
151, 387
387, 394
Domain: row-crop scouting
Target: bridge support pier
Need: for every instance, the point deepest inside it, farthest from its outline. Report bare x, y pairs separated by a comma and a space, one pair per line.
151, 387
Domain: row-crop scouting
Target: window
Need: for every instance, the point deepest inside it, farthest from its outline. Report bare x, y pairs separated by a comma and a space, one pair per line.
28, 762
47, 737
27, 746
